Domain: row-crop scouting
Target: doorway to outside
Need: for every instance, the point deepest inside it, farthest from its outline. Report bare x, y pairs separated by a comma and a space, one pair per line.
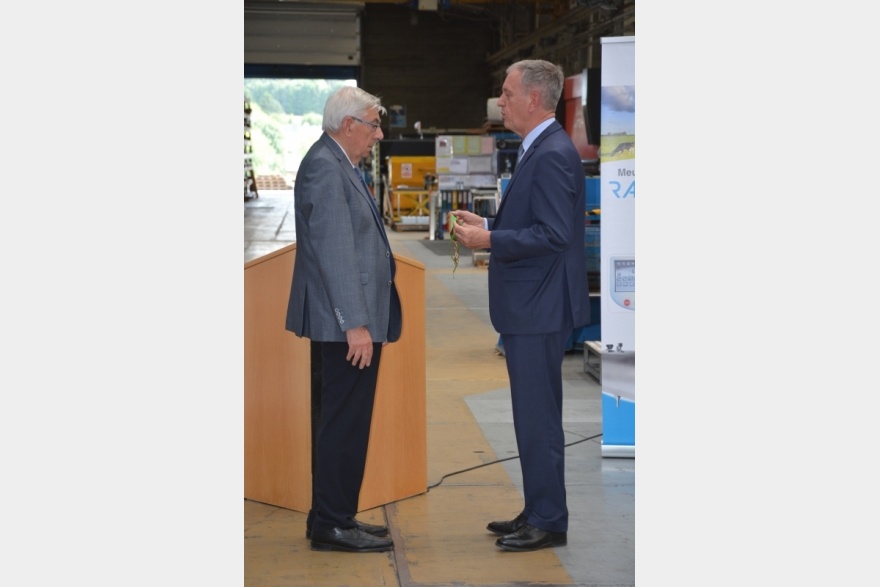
285, 120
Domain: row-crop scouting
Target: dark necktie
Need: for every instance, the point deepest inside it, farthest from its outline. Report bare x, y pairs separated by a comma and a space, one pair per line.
361, 177
372, 201
519, 154
378, 217
369, 193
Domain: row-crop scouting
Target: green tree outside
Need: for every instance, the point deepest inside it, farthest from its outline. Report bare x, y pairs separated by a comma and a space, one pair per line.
286, 119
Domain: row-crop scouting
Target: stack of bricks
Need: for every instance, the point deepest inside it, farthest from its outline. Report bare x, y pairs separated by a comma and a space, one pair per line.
271, 182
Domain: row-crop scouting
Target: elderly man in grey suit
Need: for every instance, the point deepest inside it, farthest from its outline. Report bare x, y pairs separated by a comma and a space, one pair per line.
343, 298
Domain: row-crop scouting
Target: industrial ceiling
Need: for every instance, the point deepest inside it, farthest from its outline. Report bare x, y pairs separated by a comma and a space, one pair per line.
568, 32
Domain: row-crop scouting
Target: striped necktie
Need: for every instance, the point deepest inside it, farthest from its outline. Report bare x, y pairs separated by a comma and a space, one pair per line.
519, 154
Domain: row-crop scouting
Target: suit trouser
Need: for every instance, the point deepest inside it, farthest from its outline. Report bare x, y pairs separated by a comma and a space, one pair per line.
347, 395
534, 364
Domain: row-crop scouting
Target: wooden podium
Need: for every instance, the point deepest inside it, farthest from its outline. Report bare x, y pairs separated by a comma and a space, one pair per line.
277, 395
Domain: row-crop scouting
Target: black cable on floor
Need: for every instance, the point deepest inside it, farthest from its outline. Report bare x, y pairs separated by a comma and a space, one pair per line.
583, 439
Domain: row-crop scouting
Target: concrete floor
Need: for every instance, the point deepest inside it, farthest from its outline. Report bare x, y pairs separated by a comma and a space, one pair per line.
473, 475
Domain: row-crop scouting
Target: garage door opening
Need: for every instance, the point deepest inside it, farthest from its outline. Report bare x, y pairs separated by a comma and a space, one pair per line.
283, 122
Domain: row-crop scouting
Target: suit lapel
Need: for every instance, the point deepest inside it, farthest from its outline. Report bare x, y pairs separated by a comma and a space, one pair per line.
354, 177
360, 186
536, 144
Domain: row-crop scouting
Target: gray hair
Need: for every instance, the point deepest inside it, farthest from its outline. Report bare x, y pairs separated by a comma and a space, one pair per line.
543, 76
348, 101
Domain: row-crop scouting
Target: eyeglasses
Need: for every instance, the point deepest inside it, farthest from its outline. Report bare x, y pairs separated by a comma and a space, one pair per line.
372, 125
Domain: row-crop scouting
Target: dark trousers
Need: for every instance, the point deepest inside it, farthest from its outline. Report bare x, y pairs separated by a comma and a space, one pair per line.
534, 364
347, 395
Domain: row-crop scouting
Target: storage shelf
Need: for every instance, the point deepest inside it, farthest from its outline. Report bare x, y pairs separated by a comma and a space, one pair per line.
250, 181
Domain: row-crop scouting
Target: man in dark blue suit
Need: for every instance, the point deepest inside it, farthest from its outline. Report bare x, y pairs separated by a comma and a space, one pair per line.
538, 292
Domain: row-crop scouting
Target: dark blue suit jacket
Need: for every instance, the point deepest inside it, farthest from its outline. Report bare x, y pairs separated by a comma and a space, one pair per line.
538, 271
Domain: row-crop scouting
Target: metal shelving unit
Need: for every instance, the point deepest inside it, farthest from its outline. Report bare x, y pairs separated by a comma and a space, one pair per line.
250, 182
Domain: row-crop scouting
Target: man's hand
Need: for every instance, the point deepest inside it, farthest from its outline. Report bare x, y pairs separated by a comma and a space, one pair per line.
469, 230
465, 217
360, 347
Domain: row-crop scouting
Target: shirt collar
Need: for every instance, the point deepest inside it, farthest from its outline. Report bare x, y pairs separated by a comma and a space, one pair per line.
530, 138
343, 150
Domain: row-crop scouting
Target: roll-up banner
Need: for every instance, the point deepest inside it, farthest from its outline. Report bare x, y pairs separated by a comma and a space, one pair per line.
617, 167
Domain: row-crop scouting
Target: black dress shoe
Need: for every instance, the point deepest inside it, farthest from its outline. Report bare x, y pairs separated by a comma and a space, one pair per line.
349, 540
371, 529
368, 528
530, 538
509, 527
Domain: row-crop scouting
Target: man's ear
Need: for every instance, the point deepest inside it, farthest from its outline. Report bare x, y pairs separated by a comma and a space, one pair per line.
534, 100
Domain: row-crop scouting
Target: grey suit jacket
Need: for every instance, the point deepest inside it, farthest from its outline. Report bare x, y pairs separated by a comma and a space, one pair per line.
343, 275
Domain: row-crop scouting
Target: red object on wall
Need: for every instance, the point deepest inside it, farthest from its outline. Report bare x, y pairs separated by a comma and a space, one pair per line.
574, 94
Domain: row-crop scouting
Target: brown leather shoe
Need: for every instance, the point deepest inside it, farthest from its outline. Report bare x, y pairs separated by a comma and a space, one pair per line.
368, 528
508, 527
530, 538
349, 540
